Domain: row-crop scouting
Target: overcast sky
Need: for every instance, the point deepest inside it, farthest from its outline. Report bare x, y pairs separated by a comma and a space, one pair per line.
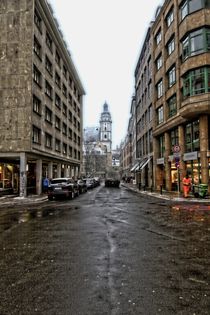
105, 38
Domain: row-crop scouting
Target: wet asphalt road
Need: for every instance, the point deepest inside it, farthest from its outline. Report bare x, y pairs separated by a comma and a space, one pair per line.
107, 252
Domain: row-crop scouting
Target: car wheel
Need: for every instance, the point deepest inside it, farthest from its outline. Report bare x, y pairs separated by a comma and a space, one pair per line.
50, 198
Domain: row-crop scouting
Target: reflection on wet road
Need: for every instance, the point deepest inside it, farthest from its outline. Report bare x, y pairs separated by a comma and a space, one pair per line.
108, 252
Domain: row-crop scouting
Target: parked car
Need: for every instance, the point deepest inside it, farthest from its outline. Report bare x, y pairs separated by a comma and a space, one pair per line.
97, 181
89, 182
82, 186
62, 187
112, 182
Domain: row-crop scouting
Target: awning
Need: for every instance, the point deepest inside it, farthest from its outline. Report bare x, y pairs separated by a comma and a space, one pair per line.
134, 167
140, 164
146, 161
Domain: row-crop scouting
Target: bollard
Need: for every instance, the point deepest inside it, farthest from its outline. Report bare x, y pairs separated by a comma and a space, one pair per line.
161, 189
144, 187
151, 189
139, 186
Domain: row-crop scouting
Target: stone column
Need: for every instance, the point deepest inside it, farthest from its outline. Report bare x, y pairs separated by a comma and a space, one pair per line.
50, 170
23, 176
72, 171
203, 127
39, 177
158, 176
65, 171
167, 163
59, 170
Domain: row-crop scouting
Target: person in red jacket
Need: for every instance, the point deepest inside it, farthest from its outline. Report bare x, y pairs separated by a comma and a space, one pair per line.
186, 185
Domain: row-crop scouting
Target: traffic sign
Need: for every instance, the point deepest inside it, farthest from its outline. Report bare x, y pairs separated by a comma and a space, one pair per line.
177, 164
176, 148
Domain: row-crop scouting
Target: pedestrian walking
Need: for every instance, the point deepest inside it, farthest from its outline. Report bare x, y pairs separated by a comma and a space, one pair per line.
186, 185
45, 185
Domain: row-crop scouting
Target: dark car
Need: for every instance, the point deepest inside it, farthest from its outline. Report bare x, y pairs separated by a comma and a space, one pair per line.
112, 182
82, 186
89, 182
62, 187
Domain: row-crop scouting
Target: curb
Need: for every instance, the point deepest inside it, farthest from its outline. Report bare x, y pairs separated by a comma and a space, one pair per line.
166, 197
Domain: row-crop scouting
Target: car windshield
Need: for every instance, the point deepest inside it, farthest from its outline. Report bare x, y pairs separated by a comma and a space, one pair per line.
58, 181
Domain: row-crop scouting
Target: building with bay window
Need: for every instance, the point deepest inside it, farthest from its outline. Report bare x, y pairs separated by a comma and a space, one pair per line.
41, 99
181, 81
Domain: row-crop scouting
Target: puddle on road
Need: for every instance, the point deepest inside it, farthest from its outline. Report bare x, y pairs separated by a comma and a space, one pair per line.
191, 213
10, 219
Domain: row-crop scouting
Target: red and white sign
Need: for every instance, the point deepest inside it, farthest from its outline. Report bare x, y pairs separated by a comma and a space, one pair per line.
176, 148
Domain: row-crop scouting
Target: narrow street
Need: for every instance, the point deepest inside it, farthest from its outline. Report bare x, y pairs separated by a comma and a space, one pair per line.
108, 252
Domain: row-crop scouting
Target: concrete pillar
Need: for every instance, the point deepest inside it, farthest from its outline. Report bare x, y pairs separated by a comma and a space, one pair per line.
203, 127
72, 171
59, 170
23, 176
39, 177
68, 171
167, 163
182, 165
50, 170
157, 170
65, 171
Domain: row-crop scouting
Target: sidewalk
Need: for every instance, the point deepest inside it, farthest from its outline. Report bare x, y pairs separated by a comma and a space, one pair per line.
16, 200
172, 196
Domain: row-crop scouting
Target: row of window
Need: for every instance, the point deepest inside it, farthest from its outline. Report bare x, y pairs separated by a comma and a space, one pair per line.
145, 144
37, 77
171, 110
145, 120
58, 145
187, 7
195, 82
49, 42
192, 138
194, 43
37, 108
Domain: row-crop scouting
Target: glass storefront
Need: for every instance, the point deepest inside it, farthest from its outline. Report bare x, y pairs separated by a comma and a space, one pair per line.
193, 168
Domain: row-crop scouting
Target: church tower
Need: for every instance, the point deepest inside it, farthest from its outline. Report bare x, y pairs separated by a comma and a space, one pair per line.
106, 128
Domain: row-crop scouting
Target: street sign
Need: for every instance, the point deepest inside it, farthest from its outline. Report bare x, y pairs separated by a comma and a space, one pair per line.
176, 158
176, 148
177, 164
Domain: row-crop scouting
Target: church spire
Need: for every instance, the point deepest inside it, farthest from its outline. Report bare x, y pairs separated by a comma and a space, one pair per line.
106, 127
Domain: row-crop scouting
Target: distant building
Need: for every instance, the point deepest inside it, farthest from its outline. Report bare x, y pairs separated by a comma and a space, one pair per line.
97, 146
41, 98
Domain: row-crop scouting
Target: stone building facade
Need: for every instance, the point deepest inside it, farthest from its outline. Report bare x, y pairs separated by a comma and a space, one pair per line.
144, 115
181, 130
172, 86
41, 98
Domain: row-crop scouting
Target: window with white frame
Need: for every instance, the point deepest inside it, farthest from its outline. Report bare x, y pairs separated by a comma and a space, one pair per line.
160, 115
171, 46
170, 17
160, 89
172, 76
159, 62
158, 37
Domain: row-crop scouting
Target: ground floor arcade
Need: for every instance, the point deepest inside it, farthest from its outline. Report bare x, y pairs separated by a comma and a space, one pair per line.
24, 173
